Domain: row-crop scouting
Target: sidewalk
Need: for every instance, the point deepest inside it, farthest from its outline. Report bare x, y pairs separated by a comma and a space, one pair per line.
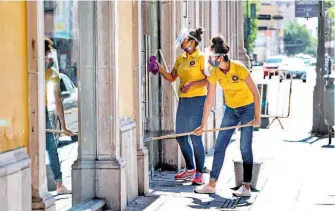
297, 175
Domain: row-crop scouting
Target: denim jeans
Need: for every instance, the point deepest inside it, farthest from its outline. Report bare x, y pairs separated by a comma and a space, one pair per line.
232, 117
52, 150
189, 117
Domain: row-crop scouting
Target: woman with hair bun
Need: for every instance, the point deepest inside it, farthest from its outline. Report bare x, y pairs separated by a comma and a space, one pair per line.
242, 106
189, 67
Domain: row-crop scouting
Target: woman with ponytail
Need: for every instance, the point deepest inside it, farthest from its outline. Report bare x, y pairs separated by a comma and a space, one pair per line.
189, 67
242, 107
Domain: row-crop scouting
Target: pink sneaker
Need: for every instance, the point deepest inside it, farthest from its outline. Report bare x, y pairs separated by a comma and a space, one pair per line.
206, 189
185, 175
198, 179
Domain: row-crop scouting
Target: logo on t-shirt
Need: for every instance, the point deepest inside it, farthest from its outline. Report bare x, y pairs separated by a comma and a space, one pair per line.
234, 78
192, 63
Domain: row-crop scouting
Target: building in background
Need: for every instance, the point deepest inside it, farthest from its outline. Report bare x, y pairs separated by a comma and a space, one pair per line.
270, 36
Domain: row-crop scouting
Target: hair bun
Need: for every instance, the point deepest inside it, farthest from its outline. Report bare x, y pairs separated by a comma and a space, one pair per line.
199, 31
217, 41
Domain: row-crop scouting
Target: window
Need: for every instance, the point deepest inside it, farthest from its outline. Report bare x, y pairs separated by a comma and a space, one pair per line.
274, 60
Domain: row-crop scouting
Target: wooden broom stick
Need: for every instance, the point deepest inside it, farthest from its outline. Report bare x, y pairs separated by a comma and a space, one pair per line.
58, 132
191, 133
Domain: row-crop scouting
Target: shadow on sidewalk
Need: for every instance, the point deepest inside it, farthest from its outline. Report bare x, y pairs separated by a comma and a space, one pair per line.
308, 140
222, 203
328, 146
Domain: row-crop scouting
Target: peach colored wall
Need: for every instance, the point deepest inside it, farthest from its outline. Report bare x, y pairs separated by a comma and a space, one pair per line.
14, 121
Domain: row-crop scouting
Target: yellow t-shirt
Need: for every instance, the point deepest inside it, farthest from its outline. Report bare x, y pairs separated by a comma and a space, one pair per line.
236, 91
190, 68
52, 81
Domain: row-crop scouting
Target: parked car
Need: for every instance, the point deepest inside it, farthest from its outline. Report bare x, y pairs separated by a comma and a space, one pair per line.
69, 94
313, 62
271, 65
294, 67
307, 58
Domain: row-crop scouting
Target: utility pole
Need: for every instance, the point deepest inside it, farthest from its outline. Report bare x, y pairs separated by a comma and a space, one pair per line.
319, 125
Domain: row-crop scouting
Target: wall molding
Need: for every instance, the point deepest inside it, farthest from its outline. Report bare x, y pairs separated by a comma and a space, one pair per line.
126, 124
14, 161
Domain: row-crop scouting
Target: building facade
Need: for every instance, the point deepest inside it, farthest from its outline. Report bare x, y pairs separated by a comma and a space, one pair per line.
102, 48
270, 41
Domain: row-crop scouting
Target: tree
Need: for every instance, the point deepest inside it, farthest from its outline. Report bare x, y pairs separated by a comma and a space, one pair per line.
249, 39
330, 13
312, 47
296, 38
331, 9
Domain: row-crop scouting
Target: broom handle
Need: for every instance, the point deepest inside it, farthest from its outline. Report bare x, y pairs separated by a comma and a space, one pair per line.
166, 67
205, 131
58, 131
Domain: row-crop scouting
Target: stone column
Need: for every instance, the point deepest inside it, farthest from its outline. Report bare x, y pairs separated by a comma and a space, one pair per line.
110, 178
41, 199
197, 13
191, 14
207, 22
242, 52
83, 169
224, 18
172, 17
232, 29
142, 152
214, 17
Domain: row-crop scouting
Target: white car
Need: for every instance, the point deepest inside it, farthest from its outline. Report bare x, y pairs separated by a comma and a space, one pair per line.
293, 67
272, 65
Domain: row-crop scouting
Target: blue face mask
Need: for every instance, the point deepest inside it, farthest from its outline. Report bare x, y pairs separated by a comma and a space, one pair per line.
187, 48
216, 63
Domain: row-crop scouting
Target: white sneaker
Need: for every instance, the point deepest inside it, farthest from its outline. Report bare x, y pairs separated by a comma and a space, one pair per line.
242, 192
206, 189
63, 190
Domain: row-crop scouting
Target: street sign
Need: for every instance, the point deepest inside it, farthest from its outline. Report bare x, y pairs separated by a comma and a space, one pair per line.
306, 8
264, 17
277, 17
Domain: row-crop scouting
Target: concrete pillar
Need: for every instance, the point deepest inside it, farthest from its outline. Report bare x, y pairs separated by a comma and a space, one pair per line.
214, 8
41, 199
191, 14
110, 167
242, 52
232, 29
197, 13
83, 169
142, 152
207, 23
172, 17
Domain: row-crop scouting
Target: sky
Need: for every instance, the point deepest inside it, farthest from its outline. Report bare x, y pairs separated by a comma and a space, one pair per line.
311, 24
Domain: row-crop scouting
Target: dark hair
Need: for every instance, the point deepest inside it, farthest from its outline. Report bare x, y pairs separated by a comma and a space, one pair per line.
47, 45
220, 47
197, 35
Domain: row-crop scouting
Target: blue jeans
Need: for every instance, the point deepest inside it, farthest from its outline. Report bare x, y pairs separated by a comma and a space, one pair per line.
52, 150
232, 117
189, 117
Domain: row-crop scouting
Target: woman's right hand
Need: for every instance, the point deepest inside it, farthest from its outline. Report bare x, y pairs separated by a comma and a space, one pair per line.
159, 64
198, 131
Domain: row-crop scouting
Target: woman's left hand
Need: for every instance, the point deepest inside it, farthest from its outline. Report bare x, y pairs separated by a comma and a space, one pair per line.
186, 87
